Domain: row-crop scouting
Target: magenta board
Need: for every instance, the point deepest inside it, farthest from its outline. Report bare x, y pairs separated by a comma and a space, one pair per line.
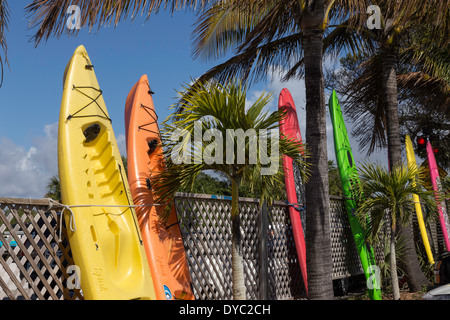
437, 188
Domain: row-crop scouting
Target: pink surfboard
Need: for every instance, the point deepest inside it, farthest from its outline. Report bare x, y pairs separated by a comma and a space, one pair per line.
437, 188
294, 188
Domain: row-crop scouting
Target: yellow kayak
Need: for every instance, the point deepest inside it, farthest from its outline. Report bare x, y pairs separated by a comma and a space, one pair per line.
102, 226
411, 158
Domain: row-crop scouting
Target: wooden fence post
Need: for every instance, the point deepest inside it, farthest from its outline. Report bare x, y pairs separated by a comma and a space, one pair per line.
263, 254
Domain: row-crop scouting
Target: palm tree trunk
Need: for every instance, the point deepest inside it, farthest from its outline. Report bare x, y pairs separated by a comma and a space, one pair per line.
415, 276
389, 77
236, 244
318, 241
393, 262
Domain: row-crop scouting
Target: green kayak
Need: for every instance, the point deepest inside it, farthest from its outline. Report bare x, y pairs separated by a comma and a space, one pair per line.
350, 180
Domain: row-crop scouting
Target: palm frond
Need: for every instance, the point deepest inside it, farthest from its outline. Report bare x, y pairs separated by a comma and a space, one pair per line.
4, 18
346, 37
342, 37
53, 189
421, 89
353, 10
216, 109
282, 18
389, 193
436, 11
271, 40
361, 85
425, 48
49, 16
223, 26
255, 63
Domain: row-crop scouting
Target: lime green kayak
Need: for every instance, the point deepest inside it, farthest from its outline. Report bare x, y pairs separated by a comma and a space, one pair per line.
349, 179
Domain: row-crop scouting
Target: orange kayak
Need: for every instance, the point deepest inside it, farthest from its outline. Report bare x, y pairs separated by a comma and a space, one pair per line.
162, 241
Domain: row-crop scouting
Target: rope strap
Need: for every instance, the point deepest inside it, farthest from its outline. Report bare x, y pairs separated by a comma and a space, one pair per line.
296, 206
72, 224
94, 100
154, 117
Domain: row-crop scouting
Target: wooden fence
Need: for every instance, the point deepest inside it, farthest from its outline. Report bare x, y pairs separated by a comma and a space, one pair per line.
270, 259
34, 258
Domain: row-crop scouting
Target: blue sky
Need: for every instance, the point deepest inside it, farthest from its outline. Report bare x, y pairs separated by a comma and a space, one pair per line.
31, 93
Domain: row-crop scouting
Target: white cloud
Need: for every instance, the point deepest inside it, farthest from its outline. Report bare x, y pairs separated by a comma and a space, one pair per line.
24, 173
25, 164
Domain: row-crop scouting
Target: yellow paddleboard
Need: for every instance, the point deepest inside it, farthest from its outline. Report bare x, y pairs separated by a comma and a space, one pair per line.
102, 228
411, 158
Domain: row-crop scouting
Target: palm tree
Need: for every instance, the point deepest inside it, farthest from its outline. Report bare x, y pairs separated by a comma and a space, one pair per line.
422, 76
292, 36
53, 189
264, 33
291, 33
387, 196
4, 16
296, 35
413, 65
218, 111
401, 23
125, 163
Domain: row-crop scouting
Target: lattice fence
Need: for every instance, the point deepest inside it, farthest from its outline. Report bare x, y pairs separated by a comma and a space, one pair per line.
205, 224
284, 276
345, 256
33, 262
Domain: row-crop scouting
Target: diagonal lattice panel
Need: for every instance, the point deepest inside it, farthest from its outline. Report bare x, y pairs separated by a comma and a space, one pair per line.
207, 219
33, 262
343, 249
